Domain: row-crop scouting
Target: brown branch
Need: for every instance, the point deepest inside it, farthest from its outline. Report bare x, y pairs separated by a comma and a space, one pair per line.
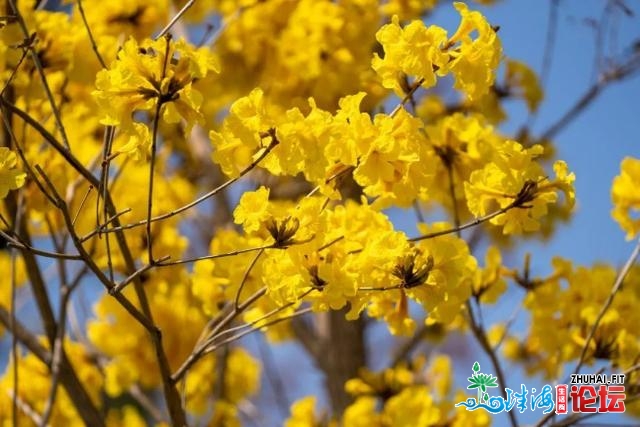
94, 46
617, 74
175, 19
236, 302
213, 256
470, 224
224, 319
43, 78
171, 394
70, 381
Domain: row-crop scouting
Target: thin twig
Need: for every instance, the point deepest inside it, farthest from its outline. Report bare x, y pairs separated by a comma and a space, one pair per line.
223, 321
200, 199
94, 46
154, 142
470, 224
14, 339
236, 302
213, 256
408, 97
215, 346
616, 75
36, 61
175, 19
15, 243
614, 291
133, 276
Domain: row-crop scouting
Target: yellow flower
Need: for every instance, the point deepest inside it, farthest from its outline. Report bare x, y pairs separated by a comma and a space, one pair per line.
242, 377
475, 60
10, 177
413, 406
303, 413
242, 133
407, 9
450, 269
519, 75
516, 182
153, 73
424, 52
392, 165
138, 145
362, 413
253, 210
35, 392
489, 283
414, 50
626, 198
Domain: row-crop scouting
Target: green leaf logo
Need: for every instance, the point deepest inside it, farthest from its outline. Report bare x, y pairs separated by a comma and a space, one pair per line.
481, 382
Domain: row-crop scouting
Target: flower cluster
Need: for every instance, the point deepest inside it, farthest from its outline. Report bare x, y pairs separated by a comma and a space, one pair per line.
560, 326
626, 201
11, 178
405, 395
153, 76
426, 52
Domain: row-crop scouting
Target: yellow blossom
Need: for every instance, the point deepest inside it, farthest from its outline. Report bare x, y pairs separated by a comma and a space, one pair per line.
520, 76
474, 60
11, 178
625, 197
414, 50
515, 182
151, 74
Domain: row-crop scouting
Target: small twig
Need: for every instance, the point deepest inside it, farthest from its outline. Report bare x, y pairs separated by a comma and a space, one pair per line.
224, 320
215, 346
133, 276
418, 211
154, 141
236, 302
15, 243
614, 290
144, 401
254, 322
617, 74
213, 256
200, 199
336, 175
408, 97
175, 19
94, 46
14, 339
14, 72
549, 42
25, 408
470, 224
36, 61
82, 202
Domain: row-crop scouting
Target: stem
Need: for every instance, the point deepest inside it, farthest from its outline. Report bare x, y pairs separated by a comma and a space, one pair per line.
614, 290
156, 121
